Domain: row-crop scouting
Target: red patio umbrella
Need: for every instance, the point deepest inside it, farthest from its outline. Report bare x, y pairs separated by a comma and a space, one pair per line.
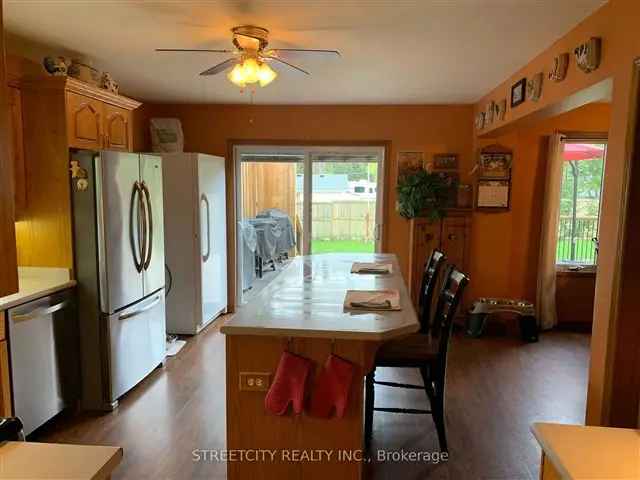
582, 151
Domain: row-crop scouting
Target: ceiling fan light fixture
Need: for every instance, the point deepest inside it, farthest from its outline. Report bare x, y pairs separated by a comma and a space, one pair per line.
266, 75
236, 76
250, 70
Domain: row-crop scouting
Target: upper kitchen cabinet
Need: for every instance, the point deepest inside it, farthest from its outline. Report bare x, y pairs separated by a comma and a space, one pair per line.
117, 128
59, 113
84, 121
97, 119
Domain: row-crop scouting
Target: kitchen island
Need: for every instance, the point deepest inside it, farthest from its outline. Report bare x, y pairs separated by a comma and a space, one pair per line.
302, 311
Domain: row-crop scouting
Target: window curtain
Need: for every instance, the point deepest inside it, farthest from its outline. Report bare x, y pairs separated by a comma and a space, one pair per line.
546, 294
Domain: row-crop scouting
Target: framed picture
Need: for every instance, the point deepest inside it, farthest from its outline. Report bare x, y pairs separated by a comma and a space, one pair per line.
495, 165
410, 162
518, 92
493, 194
445, 161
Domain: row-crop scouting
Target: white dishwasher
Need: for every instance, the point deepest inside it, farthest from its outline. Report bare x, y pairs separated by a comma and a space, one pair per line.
43, 343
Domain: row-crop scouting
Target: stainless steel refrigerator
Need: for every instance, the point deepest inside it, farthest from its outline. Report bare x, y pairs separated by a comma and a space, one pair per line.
119, 263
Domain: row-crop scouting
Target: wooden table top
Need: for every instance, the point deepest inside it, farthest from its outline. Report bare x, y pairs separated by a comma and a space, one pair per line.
30, 460
306, 300
579, 452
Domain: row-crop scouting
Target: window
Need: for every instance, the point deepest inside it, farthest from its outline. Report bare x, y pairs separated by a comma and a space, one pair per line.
582, 171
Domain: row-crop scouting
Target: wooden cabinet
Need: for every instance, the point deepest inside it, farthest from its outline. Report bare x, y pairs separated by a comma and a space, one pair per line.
117, 128
451, 235
60, 113
454, 241
94, 125
8, 255
84, 122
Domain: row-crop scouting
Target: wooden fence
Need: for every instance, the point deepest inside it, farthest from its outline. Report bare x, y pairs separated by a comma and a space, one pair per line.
268, 185
343, 220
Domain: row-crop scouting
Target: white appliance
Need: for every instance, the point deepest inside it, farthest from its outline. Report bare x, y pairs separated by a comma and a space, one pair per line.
195, 218
119, 263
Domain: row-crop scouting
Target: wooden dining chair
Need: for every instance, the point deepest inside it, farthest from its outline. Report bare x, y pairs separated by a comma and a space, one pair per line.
432, 268
426, 352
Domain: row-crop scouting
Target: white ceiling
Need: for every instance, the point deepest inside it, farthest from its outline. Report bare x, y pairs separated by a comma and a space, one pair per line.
393, 51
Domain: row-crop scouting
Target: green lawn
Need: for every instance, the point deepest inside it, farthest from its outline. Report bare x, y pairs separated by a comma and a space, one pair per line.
585, 250
341, 246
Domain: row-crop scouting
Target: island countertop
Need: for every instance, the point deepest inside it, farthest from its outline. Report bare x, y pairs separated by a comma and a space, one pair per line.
31, 460
306, 300
578, 452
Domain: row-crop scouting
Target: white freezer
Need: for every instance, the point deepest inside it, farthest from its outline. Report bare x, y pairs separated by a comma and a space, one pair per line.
195, 225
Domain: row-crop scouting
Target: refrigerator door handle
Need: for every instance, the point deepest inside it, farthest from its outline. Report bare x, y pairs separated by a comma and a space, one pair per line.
133, 225
148, 225
205, 199
146, 308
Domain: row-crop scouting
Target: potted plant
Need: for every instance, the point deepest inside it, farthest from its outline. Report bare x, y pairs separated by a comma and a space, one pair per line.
422, 194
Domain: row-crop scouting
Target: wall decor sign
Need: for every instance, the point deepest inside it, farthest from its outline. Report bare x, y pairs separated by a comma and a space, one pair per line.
500, 109
534, 87
480, 120
445, 161
588, 54
559, 68
518, 92
410, 162
495, 165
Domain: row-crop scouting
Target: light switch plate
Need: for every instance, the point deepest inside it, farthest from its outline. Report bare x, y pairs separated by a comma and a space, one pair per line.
255, 381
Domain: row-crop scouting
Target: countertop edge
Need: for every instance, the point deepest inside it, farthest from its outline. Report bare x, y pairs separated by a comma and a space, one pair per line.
381, 336
547, 450
5, 305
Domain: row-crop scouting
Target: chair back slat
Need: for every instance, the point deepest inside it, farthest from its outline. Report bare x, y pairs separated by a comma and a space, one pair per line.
447, 306
429, 280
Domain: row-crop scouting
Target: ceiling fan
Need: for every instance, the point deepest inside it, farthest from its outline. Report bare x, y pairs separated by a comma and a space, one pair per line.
251, 57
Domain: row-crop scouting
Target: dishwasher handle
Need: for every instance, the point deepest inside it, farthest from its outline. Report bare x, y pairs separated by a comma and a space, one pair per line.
41, 312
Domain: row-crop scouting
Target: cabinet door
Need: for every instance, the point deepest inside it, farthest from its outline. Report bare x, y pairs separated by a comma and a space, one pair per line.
84, 121
15, 104
117, 128
426, 238
454, 241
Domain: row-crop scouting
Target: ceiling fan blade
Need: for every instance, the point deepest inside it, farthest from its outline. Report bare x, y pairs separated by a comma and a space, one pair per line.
192, 50
277, 51
287, 63
221, 67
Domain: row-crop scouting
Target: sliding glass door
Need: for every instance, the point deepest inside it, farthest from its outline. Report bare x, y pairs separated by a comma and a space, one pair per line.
301, 200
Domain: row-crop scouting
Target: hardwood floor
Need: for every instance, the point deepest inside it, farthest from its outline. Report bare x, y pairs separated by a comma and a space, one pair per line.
497, 387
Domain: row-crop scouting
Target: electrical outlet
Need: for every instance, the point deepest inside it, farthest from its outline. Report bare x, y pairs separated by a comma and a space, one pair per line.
255, 381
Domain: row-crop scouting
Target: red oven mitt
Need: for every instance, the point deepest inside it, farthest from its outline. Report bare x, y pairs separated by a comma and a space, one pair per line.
332, 388
288, 384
